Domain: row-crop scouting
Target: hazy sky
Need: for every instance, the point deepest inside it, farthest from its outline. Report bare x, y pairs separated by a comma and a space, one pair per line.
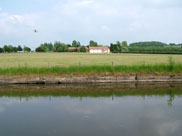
102, 20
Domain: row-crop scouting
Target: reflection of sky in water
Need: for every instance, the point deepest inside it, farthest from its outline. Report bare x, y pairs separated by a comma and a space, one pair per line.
1, 109
131, 116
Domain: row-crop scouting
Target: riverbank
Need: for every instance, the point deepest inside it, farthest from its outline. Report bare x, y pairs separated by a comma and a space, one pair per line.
94, 79
92, 74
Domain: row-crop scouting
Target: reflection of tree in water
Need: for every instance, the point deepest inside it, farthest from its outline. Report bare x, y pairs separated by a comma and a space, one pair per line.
171, 98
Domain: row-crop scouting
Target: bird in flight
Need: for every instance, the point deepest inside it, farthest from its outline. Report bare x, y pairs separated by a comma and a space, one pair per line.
35, 31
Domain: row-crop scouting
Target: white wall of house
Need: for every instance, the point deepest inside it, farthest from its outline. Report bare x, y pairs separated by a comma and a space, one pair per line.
107, 51
95, 51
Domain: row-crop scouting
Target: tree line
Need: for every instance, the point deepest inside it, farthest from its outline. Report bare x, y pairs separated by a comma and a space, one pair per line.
118, 47
14, 49
146, 47
62, 47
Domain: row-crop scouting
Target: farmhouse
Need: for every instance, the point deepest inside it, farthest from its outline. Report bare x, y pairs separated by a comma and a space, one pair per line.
99, 49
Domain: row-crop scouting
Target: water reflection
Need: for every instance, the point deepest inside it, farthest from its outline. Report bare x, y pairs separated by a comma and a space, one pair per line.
82, 91
69, 110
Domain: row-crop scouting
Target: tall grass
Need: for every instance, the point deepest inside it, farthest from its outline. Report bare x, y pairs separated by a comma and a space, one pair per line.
94, 70
171, 63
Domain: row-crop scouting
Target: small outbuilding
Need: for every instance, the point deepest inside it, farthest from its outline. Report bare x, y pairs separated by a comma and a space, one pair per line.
103, 49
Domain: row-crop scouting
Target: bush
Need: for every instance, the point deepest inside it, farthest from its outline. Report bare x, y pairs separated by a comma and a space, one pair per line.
83, 49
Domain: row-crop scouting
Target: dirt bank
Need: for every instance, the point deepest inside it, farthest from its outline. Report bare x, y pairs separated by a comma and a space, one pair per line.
94, 79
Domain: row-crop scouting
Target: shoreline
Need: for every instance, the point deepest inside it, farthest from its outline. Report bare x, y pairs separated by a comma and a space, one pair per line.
88, 79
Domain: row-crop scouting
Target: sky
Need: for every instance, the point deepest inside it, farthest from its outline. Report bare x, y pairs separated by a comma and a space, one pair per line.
104, 21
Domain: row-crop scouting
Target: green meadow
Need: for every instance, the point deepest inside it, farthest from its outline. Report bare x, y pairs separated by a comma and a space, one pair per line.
84, 64
84, 59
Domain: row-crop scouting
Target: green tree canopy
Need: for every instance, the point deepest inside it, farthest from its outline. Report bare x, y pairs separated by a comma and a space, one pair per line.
76, 44
116, 48
93, 43
83, 49
144, 44
1, 50
124, 46
26, 49
20, 48
60, 47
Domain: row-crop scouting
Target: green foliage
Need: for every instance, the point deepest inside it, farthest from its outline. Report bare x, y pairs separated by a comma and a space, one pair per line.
82, 49
155, 49
94, 70
20, 48
173, 44
124, 46
40, 49
93, 43
171, 63
1, 50
60, 47
26, 49
9, 49
46, 47
124, 43
116, 48
147, 44
6, 48
14, 49
76, 44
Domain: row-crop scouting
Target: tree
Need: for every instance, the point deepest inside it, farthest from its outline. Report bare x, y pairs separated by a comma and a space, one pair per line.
15, 49
6, 48
112, 47
60, 47
45, 47
26, 49
20, 48
1, 50
144, 44
93, 43
173, 44
124, 46
76, 44
116, 48
124, 43
40, 49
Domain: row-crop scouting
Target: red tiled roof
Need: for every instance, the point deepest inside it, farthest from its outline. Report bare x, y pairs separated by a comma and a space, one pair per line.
99, 48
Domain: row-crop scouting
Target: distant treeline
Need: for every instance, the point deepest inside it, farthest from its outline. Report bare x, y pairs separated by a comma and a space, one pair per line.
118, 47
10, 49
62, 47
146, 47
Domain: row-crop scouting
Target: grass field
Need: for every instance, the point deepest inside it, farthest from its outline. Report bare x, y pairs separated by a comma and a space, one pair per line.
76, 59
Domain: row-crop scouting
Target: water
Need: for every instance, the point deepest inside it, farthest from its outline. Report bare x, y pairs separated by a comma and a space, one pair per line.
91, 110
